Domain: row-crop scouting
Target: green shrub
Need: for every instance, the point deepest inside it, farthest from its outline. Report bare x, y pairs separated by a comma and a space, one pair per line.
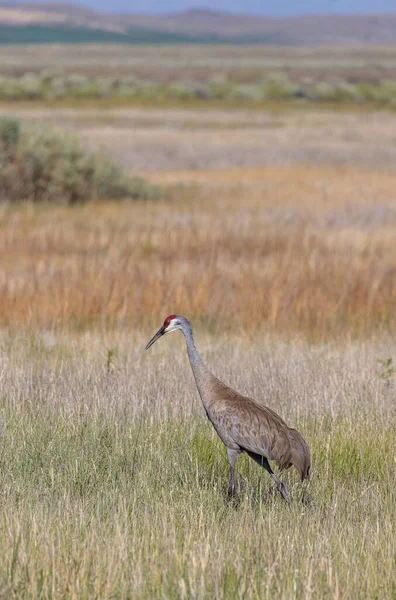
276, 86
247, 92
112, 182
271, 86
40, 164
180, 90
10, 130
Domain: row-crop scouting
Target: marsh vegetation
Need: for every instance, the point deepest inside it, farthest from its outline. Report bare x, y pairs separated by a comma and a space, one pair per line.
275, 235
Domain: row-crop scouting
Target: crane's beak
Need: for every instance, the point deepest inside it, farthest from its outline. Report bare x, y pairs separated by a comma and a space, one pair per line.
159, 333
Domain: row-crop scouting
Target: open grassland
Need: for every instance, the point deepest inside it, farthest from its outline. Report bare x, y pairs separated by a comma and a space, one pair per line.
195, 140
169, 75
292, 250
276, 236
374, 63
112, 482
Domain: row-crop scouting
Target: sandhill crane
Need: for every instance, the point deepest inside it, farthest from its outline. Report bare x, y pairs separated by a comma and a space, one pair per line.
242, 424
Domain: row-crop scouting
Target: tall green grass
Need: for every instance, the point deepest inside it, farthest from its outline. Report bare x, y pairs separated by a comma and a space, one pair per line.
113, 483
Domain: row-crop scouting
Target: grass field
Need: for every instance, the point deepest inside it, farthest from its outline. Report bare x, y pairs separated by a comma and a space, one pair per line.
113, 483
275, 235
203, 140
176, 75
274, 262
244, 63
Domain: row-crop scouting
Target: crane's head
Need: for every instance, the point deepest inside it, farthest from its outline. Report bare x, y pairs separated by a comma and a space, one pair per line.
171, 323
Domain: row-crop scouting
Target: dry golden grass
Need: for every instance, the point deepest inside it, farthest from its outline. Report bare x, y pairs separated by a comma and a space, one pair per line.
112, 482
305, 250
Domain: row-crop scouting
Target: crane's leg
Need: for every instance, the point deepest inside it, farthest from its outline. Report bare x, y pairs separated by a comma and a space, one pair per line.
263, 462
232, 457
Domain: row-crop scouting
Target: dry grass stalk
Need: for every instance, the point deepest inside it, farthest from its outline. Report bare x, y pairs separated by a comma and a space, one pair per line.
274, 252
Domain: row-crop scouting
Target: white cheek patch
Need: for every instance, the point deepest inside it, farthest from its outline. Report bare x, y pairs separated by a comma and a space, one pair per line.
171, 326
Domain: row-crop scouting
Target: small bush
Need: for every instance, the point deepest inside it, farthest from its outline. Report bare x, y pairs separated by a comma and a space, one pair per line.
10, 130
276, 86
247, 92
40, 164
112, 182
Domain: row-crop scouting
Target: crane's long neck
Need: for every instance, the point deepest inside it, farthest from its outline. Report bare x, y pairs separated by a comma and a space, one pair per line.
200, 371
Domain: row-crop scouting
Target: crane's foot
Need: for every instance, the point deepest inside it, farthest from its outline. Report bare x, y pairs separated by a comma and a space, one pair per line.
282, 491
231, 493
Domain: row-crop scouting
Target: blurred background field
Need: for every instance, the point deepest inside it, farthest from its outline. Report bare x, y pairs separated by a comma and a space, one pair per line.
265, 221
238, 249
203, 74
252, 188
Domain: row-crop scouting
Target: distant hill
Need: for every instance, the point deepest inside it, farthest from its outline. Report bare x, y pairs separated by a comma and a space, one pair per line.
38, 23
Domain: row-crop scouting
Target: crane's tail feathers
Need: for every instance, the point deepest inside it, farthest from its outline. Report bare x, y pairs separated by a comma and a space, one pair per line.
300, 454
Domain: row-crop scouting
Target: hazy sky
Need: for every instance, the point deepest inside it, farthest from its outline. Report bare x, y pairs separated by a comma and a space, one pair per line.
264, 7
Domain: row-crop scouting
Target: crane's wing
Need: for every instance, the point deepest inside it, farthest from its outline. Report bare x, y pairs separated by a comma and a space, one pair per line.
243, 422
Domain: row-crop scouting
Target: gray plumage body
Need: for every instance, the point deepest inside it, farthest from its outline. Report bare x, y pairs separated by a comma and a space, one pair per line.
242, 424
